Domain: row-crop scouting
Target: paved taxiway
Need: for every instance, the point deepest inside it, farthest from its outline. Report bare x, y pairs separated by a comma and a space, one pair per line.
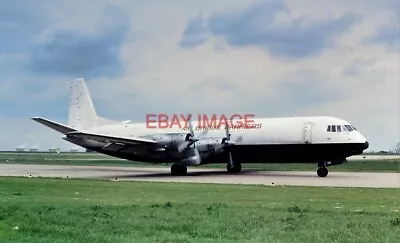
201, 175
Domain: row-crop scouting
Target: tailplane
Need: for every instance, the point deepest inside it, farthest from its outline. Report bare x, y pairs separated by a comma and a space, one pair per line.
81, 113
54, 125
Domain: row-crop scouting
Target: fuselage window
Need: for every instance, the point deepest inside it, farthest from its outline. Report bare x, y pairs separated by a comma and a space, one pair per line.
339, 128
333, 128
329, 128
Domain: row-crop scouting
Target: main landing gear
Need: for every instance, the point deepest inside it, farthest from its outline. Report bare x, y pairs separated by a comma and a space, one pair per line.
236, 168
178, 169
322, 172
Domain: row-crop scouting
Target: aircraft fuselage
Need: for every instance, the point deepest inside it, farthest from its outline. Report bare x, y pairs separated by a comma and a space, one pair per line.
277, 140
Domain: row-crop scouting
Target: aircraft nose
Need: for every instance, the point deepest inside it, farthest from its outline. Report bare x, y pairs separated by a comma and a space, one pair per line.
366, 144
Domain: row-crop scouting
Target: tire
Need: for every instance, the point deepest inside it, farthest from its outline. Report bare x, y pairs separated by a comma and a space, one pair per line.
322, 172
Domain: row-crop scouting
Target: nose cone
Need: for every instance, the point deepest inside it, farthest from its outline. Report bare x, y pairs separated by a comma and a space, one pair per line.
366, 145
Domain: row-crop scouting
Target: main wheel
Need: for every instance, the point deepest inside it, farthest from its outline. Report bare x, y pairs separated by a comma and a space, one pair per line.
178, 169
322, 172
235, 169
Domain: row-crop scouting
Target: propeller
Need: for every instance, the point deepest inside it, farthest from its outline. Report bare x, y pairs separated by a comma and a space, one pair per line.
227, 139
227, 142
190, 138
193, 159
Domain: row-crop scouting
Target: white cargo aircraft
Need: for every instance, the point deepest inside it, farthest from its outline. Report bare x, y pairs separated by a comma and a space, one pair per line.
322, 140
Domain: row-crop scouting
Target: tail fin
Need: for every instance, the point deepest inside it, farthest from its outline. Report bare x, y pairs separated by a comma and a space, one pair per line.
81, 113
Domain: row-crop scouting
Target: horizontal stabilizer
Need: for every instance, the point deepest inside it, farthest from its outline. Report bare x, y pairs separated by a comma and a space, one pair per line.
111, 139
54, 125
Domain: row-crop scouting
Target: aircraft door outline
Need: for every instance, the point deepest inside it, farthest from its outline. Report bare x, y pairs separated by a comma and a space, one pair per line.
308, 133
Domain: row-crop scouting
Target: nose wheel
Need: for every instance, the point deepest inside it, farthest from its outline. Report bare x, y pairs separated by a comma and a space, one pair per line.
322, 172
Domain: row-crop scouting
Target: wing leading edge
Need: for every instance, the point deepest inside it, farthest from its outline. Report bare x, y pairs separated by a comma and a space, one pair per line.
112, 139
54, 125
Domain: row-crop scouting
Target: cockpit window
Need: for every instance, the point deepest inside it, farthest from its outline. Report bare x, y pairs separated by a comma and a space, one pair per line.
349, 128
340, 128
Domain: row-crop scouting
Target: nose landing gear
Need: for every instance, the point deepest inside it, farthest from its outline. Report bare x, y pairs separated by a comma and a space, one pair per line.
322, 170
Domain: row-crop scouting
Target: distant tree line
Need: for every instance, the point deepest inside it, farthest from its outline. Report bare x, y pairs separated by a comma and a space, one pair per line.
395, 150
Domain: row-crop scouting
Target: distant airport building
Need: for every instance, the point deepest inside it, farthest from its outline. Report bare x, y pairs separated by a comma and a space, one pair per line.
54, 150
21, 148
74, 150
34, 148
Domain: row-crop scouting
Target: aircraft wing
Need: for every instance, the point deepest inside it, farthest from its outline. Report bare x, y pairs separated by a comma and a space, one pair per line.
112, 139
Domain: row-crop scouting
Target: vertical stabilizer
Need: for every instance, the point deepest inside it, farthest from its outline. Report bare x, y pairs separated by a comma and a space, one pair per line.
82, 114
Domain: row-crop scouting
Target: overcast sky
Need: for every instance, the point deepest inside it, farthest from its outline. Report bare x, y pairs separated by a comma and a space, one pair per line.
271, 58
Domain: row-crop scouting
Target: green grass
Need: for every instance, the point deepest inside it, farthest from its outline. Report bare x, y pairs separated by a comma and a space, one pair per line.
387, 165
57, 210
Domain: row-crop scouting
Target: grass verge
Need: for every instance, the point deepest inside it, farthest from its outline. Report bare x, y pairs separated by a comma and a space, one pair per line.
57, 210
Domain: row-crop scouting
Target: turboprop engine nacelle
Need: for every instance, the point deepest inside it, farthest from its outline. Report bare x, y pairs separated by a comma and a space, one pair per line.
193, 158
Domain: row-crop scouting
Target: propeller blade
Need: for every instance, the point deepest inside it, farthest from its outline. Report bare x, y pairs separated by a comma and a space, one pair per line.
191, 128
191, 139
227, 132
193, 159
182, 147
186, 144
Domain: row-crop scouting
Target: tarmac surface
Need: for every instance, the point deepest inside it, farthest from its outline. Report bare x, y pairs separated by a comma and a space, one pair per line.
201, 175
